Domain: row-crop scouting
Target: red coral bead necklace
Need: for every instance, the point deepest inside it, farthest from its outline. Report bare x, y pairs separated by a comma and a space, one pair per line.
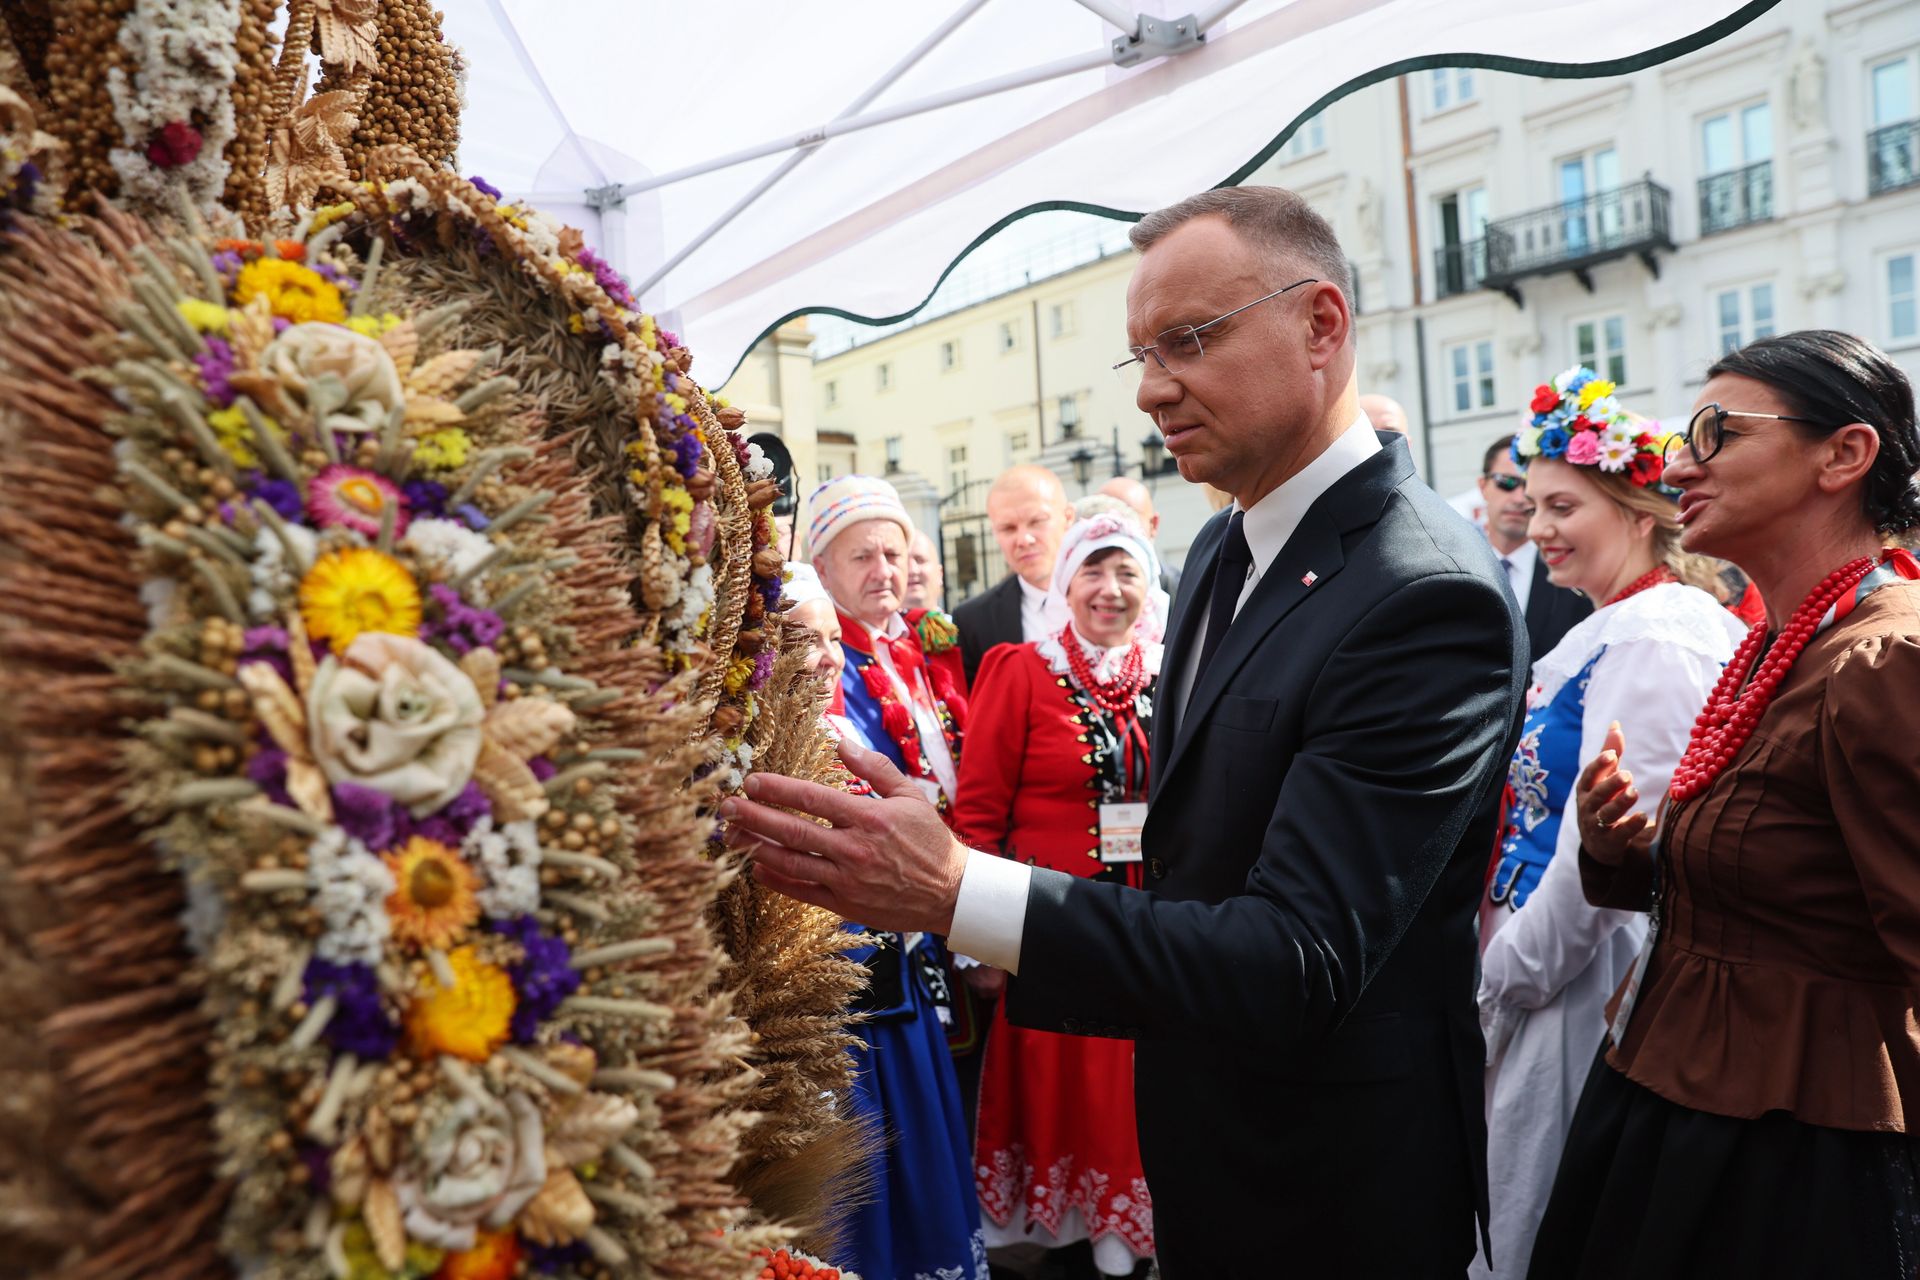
1651, 578
1113, 696
1737, 702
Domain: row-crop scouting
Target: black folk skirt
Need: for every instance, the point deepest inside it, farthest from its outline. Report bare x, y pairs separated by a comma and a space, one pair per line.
1653, 1190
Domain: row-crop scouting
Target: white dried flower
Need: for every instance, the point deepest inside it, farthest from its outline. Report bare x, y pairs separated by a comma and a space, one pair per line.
350, 891
509, 861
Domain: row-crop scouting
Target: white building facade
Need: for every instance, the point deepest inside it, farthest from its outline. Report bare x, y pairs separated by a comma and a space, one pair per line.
1501, 227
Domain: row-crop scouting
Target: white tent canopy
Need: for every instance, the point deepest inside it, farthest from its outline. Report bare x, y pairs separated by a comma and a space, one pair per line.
744, 161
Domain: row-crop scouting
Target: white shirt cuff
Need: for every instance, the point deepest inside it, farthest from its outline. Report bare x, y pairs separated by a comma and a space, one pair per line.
991, 911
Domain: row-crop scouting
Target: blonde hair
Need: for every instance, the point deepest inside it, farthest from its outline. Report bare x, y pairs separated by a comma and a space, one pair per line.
1694, 570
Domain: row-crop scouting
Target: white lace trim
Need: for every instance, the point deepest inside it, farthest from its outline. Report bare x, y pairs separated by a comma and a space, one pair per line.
977, 1270
1672, 613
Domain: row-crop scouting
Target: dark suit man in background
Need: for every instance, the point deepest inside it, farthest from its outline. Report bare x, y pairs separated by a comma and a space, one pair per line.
1339, 699
1550, 611
1027, 507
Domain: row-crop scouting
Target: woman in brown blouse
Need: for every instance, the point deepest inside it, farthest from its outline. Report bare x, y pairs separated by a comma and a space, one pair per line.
1753, 1112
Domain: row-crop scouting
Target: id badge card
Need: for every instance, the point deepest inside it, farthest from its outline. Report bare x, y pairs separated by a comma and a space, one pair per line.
1120, 826
1617, 1030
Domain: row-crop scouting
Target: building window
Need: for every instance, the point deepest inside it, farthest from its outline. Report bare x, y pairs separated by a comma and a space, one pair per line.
832, 393
1470, 372
1309, 139
1018, 442
1069, 416
1587, 222
1060, 316
1736, 157
1902, 323
1460, 263
1009, 335
1893, 147
949, 356
957, 468
1449, 87
893, 455
1741, 315
1601, 345
823, 472
883, 377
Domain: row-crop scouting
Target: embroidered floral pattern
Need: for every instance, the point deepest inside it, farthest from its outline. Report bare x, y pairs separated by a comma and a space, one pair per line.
1007, 1182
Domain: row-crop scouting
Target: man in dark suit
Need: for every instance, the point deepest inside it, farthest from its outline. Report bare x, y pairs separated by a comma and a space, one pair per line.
1340, 696
1027, 507
1550, 611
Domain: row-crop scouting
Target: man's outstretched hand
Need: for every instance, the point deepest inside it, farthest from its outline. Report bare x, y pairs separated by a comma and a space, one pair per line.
887, 863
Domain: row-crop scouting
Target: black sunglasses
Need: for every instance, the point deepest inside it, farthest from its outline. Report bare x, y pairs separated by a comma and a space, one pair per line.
1504, 482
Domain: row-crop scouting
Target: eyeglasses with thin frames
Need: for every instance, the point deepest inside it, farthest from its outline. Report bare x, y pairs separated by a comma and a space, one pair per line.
1180, 348
1707, 432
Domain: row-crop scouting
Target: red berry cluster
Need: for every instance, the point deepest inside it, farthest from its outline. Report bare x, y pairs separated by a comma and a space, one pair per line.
782, 1265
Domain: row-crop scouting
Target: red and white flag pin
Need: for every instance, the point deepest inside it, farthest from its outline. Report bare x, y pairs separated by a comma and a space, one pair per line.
1308, 578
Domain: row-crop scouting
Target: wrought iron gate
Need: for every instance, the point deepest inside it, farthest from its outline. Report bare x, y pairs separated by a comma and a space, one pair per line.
969, 555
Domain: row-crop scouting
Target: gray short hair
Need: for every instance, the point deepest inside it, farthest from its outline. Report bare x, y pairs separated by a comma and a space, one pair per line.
1271, 218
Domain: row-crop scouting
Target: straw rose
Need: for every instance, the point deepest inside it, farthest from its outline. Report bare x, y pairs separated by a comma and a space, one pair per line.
390, 713
478, 1164
308, 351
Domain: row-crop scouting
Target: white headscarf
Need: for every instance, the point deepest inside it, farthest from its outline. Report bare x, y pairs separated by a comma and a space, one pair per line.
1082, 540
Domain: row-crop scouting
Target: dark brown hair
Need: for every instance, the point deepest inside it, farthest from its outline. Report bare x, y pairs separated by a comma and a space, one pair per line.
1271, 218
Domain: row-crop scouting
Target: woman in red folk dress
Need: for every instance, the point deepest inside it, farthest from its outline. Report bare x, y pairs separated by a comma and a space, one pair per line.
1061, 782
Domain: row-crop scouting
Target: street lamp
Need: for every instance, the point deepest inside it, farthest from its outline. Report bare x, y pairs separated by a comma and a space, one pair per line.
1153, 456
1082, 460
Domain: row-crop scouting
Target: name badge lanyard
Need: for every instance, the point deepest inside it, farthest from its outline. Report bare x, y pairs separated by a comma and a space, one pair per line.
1124, 747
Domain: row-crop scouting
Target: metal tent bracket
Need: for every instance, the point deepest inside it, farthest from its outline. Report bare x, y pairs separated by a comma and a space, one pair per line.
1157, 38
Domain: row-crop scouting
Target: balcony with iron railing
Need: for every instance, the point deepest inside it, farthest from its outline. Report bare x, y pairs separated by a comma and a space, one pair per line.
1459, 268
1736, 198
1893, 157
1578, 235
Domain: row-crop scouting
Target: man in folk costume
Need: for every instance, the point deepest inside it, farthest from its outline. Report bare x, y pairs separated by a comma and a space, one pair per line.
904, 686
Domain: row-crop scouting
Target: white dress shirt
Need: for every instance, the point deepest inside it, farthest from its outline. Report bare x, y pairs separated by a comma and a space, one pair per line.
990, 913
1519, 565
926, 721
1036, 619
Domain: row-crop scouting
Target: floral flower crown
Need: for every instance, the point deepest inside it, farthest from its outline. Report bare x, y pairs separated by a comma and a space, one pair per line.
1577, 420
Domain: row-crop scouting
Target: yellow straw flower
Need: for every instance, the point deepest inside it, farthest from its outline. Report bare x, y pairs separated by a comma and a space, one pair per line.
373, 326
468, 1020
235, 434
443, 450
205, 317
347, 592
433, 902
294, 292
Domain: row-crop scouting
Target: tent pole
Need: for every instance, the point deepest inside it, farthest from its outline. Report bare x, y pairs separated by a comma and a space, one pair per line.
1115, 14
792, 162
540, 84
1214, 12
1054, 70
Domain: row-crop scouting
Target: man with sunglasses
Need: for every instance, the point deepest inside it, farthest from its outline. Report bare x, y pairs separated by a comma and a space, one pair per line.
1550, 611
1342, 686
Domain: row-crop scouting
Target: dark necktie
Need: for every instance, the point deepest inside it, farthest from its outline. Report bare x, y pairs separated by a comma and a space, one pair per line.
1229, 578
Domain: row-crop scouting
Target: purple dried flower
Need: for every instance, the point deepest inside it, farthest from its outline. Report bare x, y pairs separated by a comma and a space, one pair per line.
267, 766
668, 339
359, 1025
268, 645
542, 978
762, 669
281, 324
484, 187
369, 816
438, 828
425, 498
461, 627
686, 455
227, 263
282, 495
542, 768
469, 806
476, 518
216, 366
550, 1259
